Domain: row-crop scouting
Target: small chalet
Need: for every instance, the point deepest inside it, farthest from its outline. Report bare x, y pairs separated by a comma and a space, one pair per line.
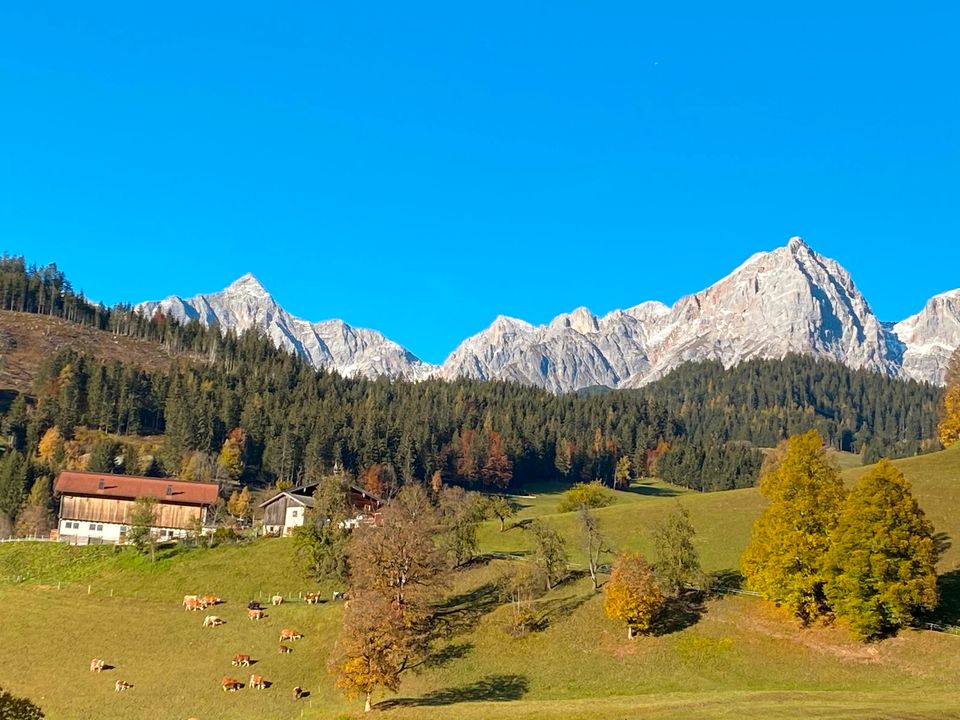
286, 510
95, 507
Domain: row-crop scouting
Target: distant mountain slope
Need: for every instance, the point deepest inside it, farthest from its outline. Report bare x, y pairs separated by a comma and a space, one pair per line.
789, 300
246, 304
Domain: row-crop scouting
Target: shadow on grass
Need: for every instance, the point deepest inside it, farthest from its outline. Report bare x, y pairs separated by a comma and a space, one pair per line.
948, 610
558, 609
460, 613
447, 654
492, 688
725, 580
651, 490
679, 613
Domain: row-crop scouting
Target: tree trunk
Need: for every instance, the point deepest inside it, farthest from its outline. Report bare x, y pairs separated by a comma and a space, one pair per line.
501, 524
366, 705
629, 633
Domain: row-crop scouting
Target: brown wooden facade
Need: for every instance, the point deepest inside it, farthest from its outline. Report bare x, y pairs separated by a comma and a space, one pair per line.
115, 510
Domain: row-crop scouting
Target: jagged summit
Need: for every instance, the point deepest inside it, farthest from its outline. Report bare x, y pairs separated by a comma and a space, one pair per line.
245, 304
787, 300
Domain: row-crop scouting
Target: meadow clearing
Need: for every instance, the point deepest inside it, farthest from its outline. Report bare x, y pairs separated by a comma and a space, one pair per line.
730, 656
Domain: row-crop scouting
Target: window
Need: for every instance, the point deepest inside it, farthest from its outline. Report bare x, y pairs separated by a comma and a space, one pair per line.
293, 513
95, 527
71, 525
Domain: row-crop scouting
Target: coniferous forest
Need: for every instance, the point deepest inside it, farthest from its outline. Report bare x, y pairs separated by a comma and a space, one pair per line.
236, 406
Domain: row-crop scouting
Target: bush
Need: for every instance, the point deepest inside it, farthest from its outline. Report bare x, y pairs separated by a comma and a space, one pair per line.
591, 495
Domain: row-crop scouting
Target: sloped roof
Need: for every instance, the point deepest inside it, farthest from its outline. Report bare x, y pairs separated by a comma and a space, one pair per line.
304, 500
168, 490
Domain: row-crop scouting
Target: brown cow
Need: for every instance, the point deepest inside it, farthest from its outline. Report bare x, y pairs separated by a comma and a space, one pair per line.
212, 621
255, 614
188, 598
192, 603
285, 649
231, 684
256, 681
96, 665
241, 660
297, 693
313, 598
289, 634
121, 685
276, 600
208, 600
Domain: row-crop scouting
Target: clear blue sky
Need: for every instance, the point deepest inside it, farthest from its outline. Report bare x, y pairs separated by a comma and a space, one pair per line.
420, 168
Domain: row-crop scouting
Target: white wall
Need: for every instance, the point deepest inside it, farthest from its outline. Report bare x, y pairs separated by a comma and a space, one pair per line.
294, 518
89, 533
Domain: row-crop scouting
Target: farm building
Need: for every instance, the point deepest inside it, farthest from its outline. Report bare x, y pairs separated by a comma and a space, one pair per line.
95, 507
286, 510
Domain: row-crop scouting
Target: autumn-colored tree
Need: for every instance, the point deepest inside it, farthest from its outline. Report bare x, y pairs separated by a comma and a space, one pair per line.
785, 560
948, 430
881, 567
198, 467
50, 450
497, 468
632, 594
591, 495
399, 557
239, 504
678, 563
373, 649
621, 476
380, 480
230, 459
502, 508
549, 553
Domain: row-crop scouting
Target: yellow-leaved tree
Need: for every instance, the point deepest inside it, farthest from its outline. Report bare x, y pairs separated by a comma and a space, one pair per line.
785, 561
949, 428
632, 594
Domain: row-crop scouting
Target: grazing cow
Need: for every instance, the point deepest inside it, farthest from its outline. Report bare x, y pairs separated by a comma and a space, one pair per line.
288, 634
297, 693
188, 598
254, 605
121, 685
231, 684
337, 595
208, 600
241, 660
313, 598
212, 621
255, 614
276, 600
96, 665
256, 681
192, 604
285, 649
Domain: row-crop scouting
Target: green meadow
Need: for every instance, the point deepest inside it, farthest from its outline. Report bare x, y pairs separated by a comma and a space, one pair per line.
730, 657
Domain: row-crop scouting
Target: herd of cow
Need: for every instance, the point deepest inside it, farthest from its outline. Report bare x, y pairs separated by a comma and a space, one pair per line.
255, 611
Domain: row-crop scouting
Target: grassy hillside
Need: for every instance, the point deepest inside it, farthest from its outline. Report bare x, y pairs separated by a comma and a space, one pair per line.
732, 657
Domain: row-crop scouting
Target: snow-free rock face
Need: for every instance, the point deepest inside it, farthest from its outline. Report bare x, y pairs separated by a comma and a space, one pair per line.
930, 337
246, 304
790, 300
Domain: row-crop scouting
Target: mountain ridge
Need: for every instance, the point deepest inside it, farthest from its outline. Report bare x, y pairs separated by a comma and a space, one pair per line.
788, 300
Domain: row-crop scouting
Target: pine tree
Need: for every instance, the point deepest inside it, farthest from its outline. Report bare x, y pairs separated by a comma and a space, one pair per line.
785, 560
882, 563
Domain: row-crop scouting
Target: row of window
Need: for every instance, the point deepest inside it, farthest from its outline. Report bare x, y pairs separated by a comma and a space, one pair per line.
74, 525
98, 527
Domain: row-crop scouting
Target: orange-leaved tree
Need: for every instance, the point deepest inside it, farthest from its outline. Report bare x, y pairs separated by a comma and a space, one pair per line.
632, 594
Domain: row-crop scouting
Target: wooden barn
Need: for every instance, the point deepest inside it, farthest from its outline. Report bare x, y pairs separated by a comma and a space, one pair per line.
286, 510
95, 507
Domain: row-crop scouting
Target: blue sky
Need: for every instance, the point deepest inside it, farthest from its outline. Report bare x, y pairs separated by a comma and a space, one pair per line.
421, 168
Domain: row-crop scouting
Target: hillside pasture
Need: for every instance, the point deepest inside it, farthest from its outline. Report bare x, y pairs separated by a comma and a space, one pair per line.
725, 657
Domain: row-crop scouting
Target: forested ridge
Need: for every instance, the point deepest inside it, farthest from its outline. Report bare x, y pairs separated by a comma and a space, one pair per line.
260, 415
